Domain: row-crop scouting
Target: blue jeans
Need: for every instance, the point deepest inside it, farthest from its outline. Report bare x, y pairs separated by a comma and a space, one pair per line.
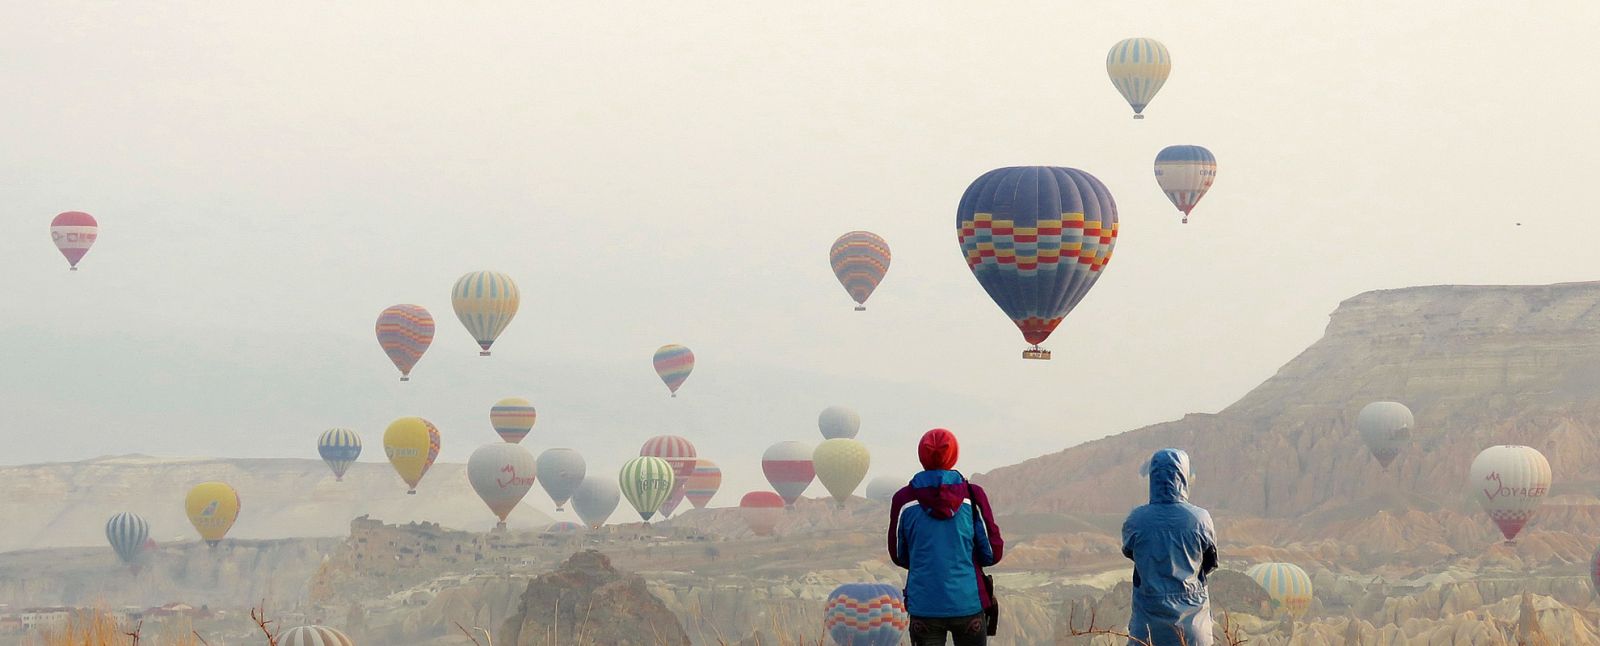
965, 631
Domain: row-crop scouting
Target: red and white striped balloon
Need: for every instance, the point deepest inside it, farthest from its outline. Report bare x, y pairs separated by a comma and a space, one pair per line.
789, 469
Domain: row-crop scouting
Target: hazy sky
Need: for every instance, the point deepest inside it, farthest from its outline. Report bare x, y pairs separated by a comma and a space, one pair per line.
269, 177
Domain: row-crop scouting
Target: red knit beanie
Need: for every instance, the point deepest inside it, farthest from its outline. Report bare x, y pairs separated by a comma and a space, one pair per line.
938, 450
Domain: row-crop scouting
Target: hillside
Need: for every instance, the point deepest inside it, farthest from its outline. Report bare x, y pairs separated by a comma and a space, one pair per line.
1477, 365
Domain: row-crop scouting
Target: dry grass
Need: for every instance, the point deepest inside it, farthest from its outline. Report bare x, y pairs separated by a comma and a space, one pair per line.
98, 627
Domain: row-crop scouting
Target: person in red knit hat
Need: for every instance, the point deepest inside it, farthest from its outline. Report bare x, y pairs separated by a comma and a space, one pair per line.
942, 531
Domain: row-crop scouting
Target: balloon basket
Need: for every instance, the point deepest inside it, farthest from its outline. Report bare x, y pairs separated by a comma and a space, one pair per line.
484, 353
1036, 352
405, 379
1185, 219
413, 492
500, 526
558, 508
1138, 116
861, 308
72, 269
674, 395
338, 478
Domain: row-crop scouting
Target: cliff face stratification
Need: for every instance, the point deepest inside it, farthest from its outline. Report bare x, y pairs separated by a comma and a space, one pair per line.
560, 608
1477, 365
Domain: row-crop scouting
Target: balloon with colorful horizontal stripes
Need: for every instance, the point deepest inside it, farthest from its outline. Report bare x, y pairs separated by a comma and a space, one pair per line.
404, 333
502, 474
703, 483
339, 447
838, 421
1037, 238
789, 469
563, 527
1510, 482
646, 482
673, 364
1138, 67
127, 532
860, 259
212, 508
314, 636
841, 463
485, 302
74, 232
512, 418
1385, 428
596, 499
761, 511
561, 470
865, 614
1185, 173
1288, 586
412, 444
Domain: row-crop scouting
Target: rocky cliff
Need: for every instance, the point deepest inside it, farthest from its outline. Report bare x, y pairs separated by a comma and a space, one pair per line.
586, 601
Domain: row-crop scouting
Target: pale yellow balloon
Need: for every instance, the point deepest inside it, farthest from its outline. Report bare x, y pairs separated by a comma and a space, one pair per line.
412, 444
212, 507
841, 464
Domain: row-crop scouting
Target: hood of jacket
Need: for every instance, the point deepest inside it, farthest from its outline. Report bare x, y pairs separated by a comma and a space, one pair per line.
939, 492
1169, 477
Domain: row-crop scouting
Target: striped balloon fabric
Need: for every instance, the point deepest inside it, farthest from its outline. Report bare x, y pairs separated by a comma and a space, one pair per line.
860, 260
74, 232
646, 482
127, 533
485, 301
1138, 67
1037, 238
314, 636
789, 469
512, 418
1510, 482
404, 333
563, 527
673, 364
677, 451
1287, 585
865, 614
339, 447
703, 483
1185, 174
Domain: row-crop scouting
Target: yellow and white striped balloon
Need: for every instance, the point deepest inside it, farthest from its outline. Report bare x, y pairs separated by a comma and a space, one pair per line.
485, 301
1138, 67
1287, 585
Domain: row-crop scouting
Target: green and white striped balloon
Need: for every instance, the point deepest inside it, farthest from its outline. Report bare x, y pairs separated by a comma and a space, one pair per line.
646, 482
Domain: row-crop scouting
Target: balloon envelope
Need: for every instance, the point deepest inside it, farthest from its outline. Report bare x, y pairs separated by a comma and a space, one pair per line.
561, 470
761, 511
212, 507
314, 636
127, 533
674, 499
1138, 67
512, 418
677, 451
673, 364
646, 482
74, 232
1510, 482
412, 444
860, 260
596, 499
502, 474
1385, 428
339, 447
883, 488
485, 302
1037, 238
841, 464
838, 421
789, 469
703, 483
1185, 173
404, 333
1287, 585
865, 614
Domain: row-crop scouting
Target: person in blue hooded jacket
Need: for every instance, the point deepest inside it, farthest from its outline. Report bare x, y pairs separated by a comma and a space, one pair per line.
1173, 547
942, 531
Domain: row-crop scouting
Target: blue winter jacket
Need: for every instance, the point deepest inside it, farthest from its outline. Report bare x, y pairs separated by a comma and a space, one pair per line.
934, 534
1173, 547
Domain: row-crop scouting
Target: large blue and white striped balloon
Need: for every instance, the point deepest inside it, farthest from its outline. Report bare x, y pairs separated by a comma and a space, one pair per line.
127, 533
339, 447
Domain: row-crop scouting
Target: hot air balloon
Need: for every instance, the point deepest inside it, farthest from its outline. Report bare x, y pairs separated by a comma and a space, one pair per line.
1037, 238
563, 527
761, 510
865, 614
674, 499
560, 472
860, 259
313, 636
1185, 174
1510, 482
789, 469
840, 464
74, 233
883, 488
339, 447
595, 499
502, 474
212, 508
1287, 585
838, 421
412, 444
673, 364
646, 482
485, 301
512, 418
677, 451
703, 483
404, 333
127, 533
1138, 67
1386, 429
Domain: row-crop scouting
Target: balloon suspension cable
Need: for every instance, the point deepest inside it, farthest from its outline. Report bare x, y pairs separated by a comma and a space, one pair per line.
861, 308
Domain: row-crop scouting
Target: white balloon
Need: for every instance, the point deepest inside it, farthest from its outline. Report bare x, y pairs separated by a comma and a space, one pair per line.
501, 473
560, 472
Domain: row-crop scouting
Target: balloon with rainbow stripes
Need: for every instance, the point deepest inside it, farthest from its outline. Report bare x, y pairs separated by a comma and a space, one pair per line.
673, 364
865, 614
